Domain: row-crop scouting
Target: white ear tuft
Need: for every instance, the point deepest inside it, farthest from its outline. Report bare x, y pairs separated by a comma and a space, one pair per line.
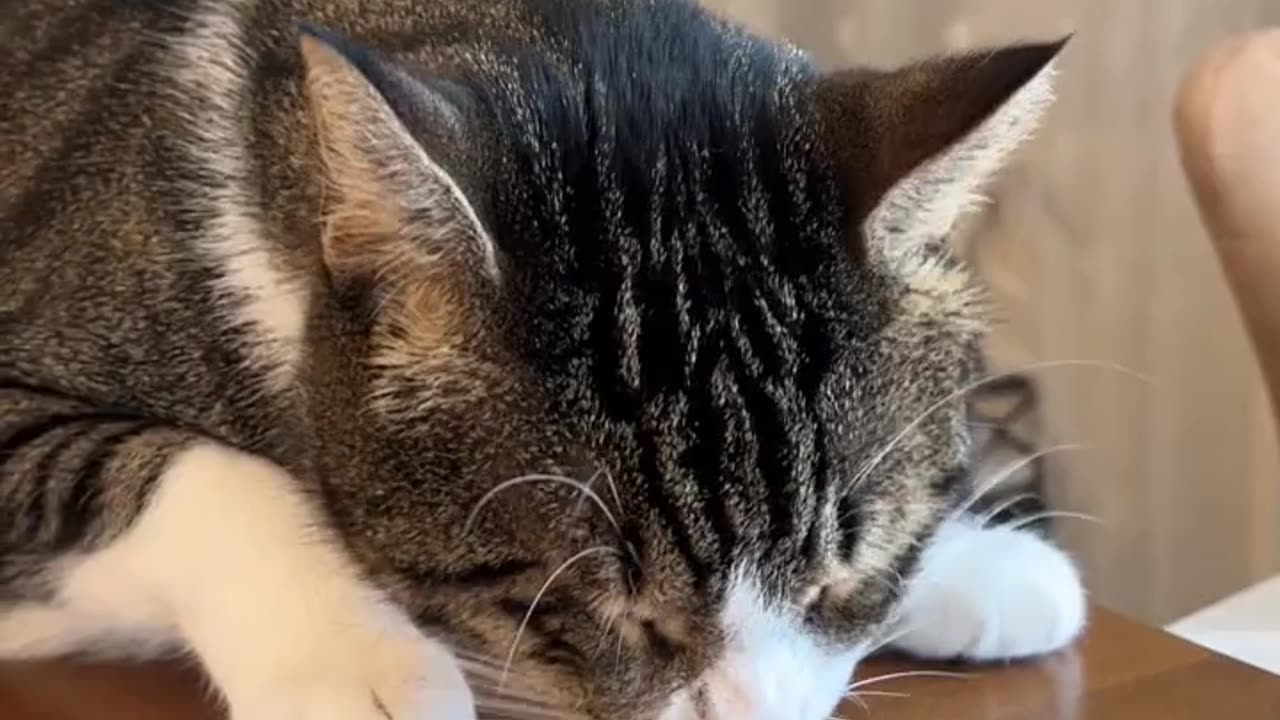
926, 203
913, 146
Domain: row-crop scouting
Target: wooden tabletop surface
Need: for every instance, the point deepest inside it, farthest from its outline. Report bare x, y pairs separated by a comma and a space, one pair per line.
1120, 671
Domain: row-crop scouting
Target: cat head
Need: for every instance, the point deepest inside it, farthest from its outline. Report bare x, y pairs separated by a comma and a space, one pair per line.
665, 352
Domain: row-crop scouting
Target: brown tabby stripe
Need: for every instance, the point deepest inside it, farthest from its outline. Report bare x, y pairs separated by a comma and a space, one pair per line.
41, 479
13, 385
31, 432
79, 508
669, 515
56, 498
83, 132
850, 524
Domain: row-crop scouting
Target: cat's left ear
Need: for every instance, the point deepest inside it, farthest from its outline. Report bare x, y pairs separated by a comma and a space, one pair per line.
914, 146
396, 152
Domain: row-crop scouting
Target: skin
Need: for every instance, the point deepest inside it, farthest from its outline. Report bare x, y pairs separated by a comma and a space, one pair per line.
1226, 124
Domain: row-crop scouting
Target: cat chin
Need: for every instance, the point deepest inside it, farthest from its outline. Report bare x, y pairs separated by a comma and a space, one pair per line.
990, 593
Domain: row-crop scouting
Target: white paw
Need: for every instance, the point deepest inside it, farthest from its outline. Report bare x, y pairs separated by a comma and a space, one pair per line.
990, 594
278, 612
420, 681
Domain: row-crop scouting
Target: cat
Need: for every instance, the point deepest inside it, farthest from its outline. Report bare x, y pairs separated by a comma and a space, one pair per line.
441, 359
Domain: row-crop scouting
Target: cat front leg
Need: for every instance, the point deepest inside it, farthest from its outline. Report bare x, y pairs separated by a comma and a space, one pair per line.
255, 583
990, 593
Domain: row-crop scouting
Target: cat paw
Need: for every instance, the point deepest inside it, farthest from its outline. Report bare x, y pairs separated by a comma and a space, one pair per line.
986, 594
425, 684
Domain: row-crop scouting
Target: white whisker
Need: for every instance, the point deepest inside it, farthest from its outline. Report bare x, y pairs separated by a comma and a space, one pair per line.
613, 489
883, 693
524, 623
908, 674
882, 642
1048, 514
590, 483
617, 653
604, 633
1005, 505
1009, 471
555, 479
902, 434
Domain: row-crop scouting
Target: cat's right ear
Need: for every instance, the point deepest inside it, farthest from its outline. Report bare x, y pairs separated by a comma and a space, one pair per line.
914, 146
386, 139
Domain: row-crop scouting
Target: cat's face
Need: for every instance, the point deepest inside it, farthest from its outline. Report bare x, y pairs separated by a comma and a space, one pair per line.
691, 388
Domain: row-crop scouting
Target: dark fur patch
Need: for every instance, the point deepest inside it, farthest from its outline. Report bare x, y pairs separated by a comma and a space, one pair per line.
666, 214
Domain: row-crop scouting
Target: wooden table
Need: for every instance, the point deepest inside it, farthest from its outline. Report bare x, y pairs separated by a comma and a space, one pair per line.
1120, 671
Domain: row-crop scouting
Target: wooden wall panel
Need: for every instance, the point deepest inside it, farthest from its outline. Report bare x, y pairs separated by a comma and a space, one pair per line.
1094, 250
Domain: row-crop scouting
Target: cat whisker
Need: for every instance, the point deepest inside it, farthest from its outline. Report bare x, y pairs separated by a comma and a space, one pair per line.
907, 674
617, 501
1049, 514
1008, 472
582, 487
970, 387
882, 642
524, 623
604, 633
590, 483
617, 652
1004, 505
613, 489
858, 696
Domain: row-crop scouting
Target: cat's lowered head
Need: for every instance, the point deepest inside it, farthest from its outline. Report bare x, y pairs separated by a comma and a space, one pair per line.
707, 286
622, 349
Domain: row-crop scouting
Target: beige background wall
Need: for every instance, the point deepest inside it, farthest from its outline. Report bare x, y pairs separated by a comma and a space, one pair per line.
1096, 254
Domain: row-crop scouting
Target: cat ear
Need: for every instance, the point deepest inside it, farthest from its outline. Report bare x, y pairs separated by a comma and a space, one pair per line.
914, 146
384, 140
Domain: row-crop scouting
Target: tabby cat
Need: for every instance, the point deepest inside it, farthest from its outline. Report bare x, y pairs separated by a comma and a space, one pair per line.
533, 359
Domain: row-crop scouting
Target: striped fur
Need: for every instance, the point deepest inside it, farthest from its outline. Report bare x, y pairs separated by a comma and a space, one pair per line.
614, 348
